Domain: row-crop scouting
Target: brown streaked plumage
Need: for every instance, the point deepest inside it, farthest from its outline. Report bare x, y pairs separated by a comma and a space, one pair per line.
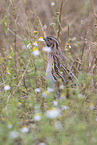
57, 67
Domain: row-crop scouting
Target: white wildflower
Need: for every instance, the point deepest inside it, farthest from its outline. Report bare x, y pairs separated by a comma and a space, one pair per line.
6, 88
42, 143
67, 45
50, 89
45, 94
37, 117
52, 4
64, 107
8, 72
91, 106
29, 46
9, 56
40, 39
5, 24
24, 129
35, 52
35, 43
13, 134
52, 113
37, 90
9, 125
47, 49
55, 103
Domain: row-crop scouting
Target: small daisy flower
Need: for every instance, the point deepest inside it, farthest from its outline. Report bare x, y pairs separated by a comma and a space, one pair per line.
42, 143
9, 126
55, 103
35, 52
35, 43
35, 32
91, 106
47, 49
96, 118
19, 103
52, 113
37, 117
67, 45
40, 39
50, 89
24, 129
5, 24
6, 88
45, 94
52, 4
29, 46
13, 134
9, 56
58, 125
64, 107
8, 72
37, 90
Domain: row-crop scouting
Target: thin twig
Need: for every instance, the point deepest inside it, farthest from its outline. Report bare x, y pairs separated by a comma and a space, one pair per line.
14, 33
40, 24
60, 17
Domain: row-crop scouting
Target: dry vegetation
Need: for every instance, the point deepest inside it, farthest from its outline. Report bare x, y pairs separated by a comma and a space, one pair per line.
23, 107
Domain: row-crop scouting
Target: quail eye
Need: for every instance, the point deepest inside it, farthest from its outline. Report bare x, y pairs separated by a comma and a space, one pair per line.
48, 43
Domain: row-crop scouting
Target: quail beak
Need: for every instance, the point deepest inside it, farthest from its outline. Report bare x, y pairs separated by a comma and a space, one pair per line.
44, 38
